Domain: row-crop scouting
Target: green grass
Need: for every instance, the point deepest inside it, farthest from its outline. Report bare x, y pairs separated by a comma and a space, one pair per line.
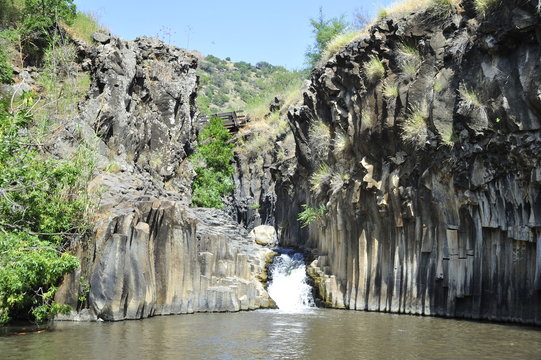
83, 26
374, 69
414, 130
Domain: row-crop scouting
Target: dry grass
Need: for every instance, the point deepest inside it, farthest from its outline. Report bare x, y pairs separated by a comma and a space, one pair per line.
409, 60
341, 142
414, 130
367, 120
319, 139
447, 135
402, 7
374, 69
470, 97
390, 89
320, 177
339, 41
484, 7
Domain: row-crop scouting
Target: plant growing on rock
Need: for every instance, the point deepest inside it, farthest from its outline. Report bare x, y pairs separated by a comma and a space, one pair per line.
374, 69
341, 142
43, 207
390, 89
6, 72
212, 163
483, 7
310, 214
320, 177
414, 130
409, 60
319, 139
469, 97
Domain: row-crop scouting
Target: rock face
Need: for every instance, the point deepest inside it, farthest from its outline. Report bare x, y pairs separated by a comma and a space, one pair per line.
156, 257
149, 253
430, 172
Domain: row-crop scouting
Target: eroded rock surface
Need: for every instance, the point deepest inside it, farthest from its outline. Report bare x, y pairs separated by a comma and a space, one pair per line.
447, 223
150, 254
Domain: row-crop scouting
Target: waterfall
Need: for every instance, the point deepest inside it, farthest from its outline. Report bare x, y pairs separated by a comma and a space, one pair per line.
289, 287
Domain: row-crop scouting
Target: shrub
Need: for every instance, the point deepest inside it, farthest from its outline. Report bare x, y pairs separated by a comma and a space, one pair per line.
42, 15
44, 205
309, 214
6, 72
414, 129
382, 14
374, 69
212, 163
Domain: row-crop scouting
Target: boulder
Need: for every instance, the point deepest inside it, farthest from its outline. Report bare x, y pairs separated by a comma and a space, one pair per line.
264, 235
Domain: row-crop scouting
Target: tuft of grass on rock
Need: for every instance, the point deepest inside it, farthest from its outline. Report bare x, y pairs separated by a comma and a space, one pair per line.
409, 60
390, 89
374, 69
484, 7
414, 129
320, 177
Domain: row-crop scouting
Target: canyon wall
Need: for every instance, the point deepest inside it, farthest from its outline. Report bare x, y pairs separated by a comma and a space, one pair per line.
149, 253
422, 141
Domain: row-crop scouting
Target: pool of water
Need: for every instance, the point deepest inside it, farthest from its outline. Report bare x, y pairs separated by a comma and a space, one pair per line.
271, 334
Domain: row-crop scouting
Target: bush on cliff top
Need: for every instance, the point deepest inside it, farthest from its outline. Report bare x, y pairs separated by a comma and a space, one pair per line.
212, 164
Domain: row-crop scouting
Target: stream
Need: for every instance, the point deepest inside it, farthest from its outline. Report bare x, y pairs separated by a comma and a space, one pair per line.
297, 330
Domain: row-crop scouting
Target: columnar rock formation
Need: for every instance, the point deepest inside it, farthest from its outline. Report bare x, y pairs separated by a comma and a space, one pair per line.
430, 168
149, 254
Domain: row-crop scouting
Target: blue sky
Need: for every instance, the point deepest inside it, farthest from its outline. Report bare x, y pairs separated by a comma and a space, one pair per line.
257, 30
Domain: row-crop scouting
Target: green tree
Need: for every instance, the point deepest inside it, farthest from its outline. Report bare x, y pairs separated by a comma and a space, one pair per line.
212, 164
42, 15
324, 30
6, 72
42, 207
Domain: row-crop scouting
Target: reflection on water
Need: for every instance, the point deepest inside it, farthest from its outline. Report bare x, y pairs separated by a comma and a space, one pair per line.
269, 334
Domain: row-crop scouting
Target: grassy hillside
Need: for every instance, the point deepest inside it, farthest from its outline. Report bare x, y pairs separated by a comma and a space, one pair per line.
227, 85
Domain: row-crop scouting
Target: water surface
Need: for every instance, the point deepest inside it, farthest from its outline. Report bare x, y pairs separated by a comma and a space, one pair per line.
270, 334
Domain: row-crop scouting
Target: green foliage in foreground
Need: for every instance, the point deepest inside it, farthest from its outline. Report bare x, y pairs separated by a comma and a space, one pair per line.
309, 214
43, 205
6, 72
212, 164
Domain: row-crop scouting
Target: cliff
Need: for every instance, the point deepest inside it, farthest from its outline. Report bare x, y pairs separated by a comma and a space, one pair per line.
149, 253
422, 140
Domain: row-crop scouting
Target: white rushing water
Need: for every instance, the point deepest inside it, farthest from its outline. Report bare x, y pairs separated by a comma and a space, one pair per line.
289, 287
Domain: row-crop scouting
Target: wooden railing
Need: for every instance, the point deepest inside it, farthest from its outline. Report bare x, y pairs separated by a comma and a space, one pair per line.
233, 120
